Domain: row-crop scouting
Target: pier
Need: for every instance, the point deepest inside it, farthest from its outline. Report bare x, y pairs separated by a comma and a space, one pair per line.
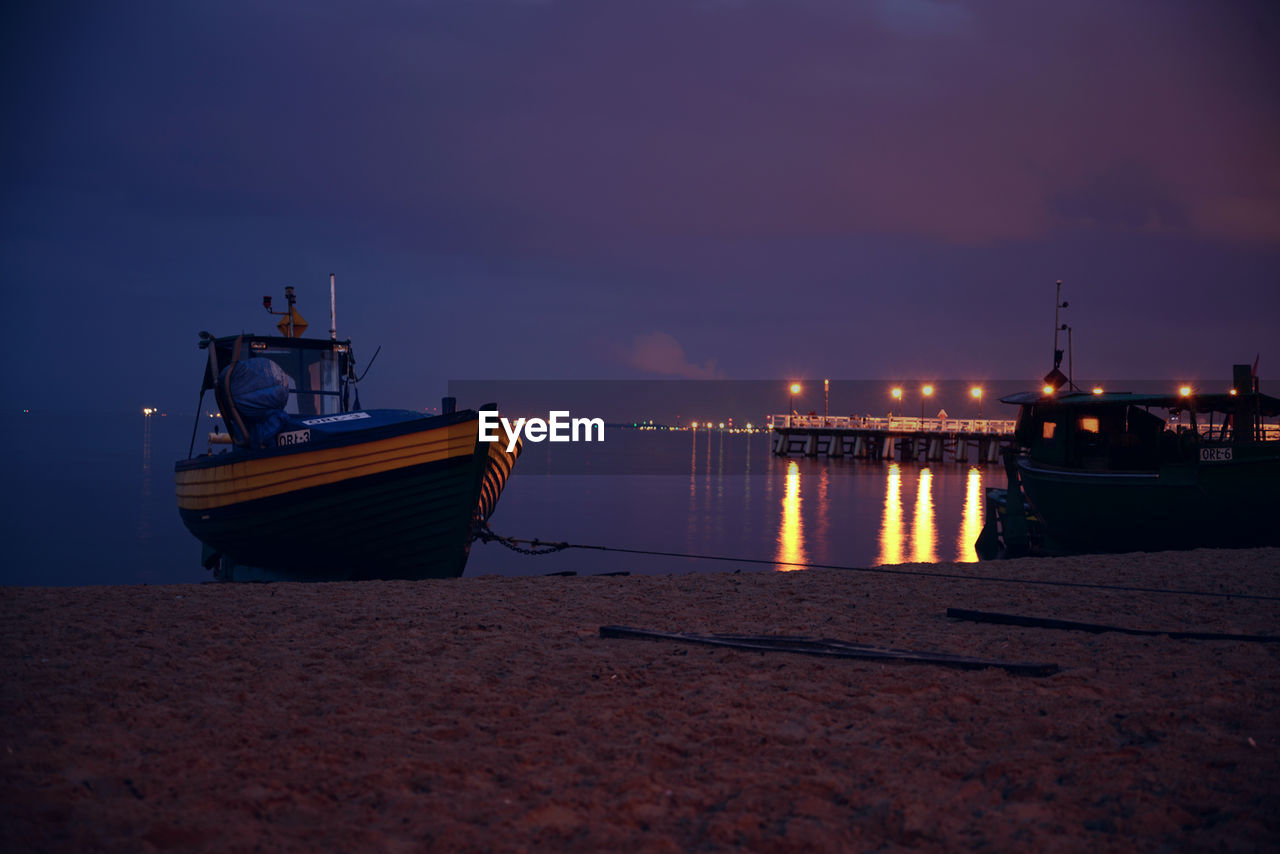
891, 438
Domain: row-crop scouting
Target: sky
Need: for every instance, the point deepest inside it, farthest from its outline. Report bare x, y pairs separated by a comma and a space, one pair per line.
726, 189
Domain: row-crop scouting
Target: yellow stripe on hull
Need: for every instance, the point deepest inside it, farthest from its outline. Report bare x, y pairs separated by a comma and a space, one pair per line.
249, 480
497, 470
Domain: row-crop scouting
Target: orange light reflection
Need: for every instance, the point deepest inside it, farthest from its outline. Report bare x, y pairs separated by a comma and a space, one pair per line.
971, 523
791, 529
891, 531
924, 536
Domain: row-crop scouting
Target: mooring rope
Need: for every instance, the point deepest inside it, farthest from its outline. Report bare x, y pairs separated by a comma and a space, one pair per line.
541, 547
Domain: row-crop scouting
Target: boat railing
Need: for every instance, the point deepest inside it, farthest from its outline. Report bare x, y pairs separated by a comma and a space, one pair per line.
1217, 433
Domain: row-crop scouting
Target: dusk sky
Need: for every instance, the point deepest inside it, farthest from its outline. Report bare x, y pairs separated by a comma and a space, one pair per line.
745, 190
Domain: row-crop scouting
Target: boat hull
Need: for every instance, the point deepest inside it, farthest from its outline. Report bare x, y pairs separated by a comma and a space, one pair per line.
1179, 506
397, 501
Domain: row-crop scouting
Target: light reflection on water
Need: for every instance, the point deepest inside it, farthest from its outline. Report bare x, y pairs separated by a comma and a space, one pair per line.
791, 525
924, 533
821, 511
145, 503
971, 523
817, 529
891, 531
921, 539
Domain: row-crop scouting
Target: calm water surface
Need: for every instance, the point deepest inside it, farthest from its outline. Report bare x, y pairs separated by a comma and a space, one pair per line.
89, 500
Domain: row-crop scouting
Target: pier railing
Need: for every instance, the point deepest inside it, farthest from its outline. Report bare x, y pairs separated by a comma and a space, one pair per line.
895, 424
970, 426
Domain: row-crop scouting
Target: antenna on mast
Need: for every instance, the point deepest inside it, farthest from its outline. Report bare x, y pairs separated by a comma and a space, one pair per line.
333, 310
1055, 379
1058, 305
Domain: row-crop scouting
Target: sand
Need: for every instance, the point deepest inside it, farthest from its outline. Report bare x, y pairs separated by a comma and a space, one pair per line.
487, 714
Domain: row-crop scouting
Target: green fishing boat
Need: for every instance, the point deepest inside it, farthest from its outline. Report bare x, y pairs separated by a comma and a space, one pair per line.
1097, 471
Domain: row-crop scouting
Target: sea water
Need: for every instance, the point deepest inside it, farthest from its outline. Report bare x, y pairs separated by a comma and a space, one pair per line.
89, 499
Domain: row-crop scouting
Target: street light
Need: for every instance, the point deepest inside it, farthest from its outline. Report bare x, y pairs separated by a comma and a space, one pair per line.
926, 391
976, 392
795, 389
897, 395
1185, 391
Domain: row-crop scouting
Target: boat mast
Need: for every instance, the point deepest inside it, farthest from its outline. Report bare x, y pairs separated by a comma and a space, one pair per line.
291, 324
1058, 305
1071, 361
333, 311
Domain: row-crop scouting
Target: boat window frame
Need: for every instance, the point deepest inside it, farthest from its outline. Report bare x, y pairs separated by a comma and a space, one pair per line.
297, 351
299, 363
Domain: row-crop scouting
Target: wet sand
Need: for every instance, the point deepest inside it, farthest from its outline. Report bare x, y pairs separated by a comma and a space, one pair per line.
488, 714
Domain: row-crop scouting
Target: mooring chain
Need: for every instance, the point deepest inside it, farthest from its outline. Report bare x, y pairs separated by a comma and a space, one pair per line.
485, 535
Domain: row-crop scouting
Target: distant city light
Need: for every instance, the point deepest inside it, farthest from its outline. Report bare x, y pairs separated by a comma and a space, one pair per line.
693, 425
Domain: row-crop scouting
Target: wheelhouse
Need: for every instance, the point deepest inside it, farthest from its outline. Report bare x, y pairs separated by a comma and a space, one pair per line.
321, 371
1135, 432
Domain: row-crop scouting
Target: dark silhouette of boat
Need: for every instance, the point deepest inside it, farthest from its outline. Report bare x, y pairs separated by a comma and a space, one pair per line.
1111, 472
317, 490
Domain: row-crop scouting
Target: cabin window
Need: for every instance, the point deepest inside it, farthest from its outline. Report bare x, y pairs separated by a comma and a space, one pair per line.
1049, 428
314, 381
1089, 424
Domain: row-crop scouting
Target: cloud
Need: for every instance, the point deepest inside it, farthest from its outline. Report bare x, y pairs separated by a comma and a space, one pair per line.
660, 353
1125, 197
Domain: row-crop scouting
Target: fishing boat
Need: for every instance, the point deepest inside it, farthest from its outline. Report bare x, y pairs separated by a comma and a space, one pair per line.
1096, 471
303, 486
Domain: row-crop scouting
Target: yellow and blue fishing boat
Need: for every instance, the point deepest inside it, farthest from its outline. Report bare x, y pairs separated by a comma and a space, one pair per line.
304, 487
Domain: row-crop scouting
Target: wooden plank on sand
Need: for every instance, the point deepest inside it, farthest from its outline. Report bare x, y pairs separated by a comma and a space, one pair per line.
833, 649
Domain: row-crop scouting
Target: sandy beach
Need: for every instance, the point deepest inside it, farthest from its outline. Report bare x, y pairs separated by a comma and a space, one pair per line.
488, 714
